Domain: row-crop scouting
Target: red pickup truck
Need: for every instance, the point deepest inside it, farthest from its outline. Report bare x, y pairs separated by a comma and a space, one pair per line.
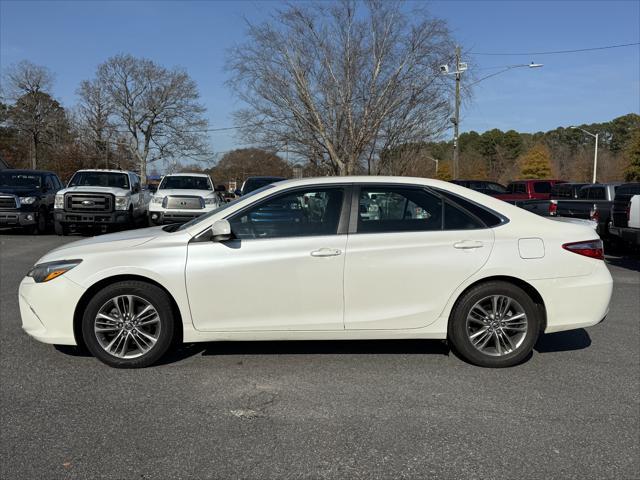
528, 190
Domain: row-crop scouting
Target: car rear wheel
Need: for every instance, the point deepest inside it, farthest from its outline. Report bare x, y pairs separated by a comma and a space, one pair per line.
129, 324
495, 324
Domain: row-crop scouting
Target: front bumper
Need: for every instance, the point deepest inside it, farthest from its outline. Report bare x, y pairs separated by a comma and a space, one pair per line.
17, 218
107, 218
165, 217
47, 309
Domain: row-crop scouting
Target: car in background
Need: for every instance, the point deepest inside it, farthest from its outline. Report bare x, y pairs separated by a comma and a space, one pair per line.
528, 190
96, 198
625, 214
566, 191
254, 183
438, 261
181, 197
26, 199
482, 186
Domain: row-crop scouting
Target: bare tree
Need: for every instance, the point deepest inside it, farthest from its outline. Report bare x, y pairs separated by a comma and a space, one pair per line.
34, 112
341, 85
156, 108
95, 110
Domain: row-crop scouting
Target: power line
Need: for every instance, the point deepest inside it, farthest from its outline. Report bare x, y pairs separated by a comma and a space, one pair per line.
560, 51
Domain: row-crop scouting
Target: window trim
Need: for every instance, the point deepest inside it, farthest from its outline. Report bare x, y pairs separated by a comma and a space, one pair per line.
342, 221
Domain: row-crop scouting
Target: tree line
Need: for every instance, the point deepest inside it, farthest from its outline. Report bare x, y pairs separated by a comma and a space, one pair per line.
345, 87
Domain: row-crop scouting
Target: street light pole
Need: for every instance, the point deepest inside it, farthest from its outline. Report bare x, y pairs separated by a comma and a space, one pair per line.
595, 152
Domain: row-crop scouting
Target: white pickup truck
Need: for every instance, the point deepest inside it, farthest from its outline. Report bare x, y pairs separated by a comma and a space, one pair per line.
100, 198
183, 196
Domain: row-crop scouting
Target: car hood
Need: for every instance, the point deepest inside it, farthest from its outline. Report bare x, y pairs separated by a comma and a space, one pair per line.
89, 189
104, 243
181, 192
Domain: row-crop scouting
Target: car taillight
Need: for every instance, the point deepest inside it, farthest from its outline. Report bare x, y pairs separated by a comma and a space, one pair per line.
589, 248
594, 214
553, 208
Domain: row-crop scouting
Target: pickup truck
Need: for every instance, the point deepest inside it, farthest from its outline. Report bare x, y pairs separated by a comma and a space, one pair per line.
100, 198
593, 202
482, 186
625, 214
181, 197
528, 190
26, 199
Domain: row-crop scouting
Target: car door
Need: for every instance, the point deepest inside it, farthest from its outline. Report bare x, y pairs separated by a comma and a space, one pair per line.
283, 270
409, 250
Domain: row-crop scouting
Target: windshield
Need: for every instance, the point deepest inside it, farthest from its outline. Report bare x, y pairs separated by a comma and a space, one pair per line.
252, 184
204, 217
100, 179
182, 182
20, 180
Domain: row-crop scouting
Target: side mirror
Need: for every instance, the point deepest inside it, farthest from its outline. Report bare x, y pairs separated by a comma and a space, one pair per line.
221, 231
220, 188
136, 188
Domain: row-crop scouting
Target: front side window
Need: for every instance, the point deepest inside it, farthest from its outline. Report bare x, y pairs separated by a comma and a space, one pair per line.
398, 209
183, 182
100, 179
310, 212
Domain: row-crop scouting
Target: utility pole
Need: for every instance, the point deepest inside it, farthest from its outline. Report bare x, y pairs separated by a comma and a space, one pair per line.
456, 119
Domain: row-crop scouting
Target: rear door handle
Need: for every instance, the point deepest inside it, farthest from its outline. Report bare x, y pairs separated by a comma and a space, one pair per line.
468, 244
326, 252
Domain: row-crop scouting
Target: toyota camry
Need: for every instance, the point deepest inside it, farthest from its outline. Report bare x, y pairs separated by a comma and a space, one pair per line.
326, 259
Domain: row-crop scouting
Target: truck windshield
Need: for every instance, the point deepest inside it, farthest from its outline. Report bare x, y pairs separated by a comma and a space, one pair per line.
17, 179
181, 182
100, 179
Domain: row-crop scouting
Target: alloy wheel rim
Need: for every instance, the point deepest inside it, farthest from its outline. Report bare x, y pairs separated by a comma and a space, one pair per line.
496, 325
127, 326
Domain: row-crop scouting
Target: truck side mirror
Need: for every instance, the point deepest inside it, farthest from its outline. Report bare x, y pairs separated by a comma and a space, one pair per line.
136, 188
237, 192
221, 231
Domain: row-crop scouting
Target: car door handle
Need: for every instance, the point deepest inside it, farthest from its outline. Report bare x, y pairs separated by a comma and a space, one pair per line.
468, 244
326, 252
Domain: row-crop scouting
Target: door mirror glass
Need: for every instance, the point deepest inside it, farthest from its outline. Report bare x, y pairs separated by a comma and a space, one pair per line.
221, 231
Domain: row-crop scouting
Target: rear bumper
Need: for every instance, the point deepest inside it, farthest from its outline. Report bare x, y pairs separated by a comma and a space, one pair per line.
576, 302
631, 235
18, 219
108, 218
47, 309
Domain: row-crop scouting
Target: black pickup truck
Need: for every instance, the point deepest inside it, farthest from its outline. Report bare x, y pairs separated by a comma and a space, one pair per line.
26, 198
583, 201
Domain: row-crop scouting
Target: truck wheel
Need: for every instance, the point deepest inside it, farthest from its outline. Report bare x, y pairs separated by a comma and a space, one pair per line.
61, 229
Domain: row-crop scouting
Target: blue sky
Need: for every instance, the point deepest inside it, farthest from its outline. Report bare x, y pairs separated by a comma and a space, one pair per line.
72, 38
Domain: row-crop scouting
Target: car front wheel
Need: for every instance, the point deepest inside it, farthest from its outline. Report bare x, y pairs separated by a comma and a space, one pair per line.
129, 324
495, 324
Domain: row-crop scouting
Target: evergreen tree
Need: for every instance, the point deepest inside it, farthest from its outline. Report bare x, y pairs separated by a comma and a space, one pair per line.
632, 154
536, 163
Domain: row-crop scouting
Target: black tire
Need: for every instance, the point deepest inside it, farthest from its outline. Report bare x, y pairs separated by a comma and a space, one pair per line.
60, 228
149, 293
459, 330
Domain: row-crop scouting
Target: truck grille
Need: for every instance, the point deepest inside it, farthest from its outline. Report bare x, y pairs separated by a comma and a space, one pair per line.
88, 202
8, 202
183, 202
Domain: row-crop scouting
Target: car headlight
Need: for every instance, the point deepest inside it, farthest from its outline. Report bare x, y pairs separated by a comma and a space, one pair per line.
27, 200
50, 270
122, 203
210, 201
156, 199
59, 201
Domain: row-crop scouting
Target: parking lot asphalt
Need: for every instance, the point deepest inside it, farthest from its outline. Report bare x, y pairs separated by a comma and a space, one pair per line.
345, 410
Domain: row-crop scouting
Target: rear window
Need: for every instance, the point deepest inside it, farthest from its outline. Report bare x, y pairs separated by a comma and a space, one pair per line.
592, 193
629, 189
542, 187
562, 191
517, 188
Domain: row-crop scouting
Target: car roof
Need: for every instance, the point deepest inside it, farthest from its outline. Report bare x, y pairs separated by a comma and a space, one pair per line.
187, 174
21, 170
104, 170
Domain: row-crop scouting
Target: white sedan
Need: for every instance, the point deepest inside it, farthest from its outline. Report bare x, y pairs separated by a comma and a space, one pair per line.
304, 259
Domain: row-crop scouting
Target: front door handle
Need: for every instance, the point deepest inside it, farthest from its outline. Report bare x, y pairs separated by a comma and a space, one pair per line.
326, 252
468, 244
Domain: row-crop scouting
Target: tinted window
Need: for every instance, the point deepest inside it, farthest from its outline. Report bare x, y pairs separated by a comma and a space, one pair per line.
398, 209
592, 193
517, 188
456, 219
48, 182
57, 183
255, 183
185, 182
100, 179
542, 187
20, 179
496, 187
297, 214
487, 217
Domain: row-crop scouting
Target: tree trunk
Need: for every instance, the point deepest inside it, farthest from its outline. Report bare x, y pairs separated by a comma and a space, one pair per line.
34, 153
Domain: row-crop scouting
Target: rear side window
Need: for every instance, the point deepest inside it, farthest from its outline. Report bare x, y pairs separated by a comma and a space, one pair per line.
456, 219
542, 187
486, 216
